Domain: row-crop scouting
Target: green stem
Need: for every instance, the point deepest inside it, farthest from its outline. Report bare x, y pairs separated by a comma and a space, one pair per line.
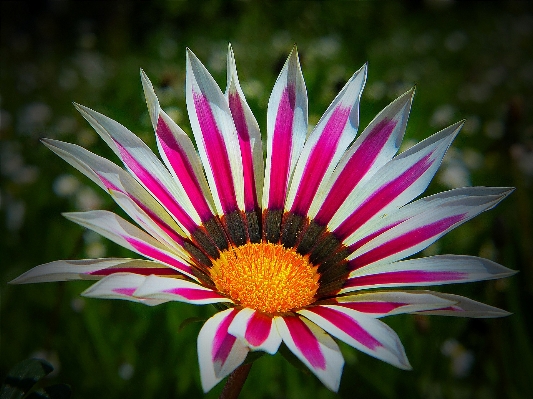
235, 381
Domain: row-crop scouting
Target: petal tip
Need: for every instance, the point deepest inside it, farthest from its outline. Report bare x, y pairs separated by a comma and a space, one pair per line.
16, 280
190, 56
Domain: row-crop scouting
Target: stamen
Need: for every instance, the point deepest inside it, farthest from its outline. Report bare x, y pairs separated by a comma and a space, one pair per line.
266, 277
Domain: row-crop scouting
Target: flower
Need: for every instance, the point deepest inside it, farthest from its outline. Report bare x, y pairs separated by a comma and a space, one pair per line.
289, 248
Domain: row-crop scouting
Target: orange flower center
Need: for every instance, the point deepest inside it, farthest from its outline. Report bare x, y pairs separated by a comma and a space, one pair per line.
266, 277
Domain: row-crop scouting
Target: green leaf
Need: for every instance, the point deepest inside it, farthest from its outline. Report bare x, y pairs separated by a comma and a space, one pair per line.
23, 377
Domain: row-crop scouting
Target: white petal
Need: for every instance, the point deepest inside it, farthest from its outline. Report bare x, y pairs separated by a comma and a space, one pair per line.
65, 270
119, 286
465, 307
214, 366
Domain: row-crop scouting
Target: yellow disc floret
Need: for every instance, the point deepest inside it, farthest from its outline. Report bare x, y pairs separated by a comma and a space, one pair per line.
266, 277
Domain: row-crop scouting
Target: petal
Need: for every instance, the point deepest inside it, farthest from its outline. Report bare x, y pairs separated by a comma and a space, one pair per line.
424, 228
388, 303
145, 167
326, 144
151, 223
219, 353
173, 289
465, 307
178, 153
119, 286
471, 197
111, 177
434, 270
374, 148
127, 235
250, 142
257, 329
215, 136
90, 269
316, 349
364, 333
286, 131
397, 183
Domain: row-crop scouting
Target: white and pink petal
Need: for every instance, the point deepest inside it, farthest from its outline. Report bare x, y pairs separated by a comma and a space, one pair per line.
178, 153
216, 137
131, 237
286, 131
388, 303
113, 179
314, 347
145, 167
175, 289
257, 329
90, 269
326, 144
376, 146
470, 197
120, 286
465, 307
434, 270
219, 353
149, 222
250, 141
401, 180
367, 334
405, 238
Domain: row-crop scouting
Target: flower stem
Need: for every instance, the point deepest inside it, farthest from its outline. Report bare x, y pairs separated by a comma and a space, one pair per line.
235, 381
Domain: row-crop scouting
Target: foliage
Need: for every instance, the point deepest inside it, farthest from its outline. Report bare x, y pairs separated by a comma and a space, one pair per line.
21, 380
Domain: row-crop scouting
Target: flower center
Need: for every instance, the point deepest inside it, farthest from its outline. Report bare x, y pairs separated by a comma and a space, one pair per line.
266, 277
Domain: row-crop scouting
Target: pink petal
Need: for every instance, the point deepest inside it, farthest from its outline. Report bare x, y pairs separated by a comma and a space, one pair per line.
257, 329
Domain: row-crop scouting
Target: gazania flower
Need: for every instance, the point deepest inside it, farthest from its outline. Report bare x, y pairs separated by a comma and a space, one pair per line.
301, 249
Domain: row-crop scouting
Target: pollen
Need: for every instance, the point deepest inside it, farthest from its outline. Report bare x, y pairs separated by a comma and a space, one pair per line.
266, 277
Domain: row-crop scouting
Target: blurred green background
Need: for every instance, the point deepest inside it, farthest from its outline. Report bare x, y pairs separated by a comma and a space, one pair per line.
471, 60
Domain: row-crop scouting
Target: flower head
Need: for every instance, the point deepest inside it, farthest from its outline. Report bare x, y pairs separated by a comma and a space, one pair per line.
299, 249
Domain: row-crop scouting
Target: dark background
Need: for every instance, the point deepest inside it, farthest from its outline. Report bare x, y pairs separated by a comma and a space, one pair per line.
471, 60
